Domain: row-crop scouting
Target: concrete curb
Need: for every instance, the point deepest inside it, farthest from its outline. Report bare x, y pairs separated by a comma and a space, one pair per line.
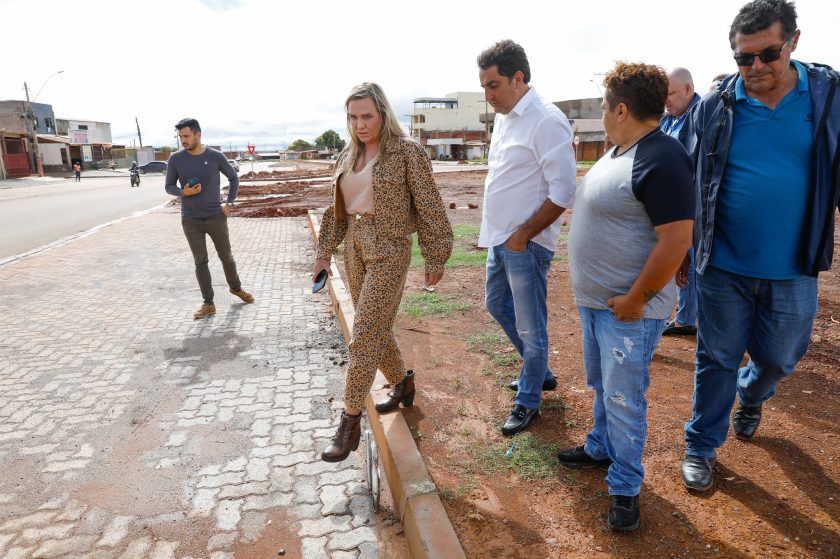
425, 523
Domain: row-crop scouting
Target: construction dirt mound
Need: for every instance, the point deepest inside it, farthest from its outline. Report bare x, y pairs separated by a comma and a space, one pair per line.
322, 172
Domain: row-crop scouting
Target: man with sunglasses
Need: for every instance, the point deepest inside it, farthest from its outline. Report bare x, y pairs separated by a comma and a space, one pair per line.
765, 146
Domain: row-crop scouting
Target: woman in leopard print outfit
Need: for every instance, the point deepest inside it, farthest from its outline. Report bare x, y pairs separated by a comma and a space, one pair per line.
383, 191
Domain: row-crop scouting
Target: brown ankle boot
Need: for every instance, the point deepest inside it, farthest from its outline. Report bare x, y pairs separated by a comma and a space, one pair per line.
346, 439
402, 392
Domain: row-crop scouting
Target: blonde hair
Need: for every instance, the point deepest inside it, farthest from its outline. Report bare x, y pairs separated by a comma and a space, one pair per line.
390, 125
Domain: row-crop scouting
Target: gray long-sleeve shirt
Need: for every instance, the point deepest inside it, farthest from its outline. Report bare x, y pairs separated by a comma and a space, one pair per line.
206, 168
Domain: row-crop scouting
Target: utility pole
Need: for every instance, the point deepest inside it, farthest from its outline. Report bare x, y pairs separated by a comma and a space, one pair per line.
139, 137
33, 134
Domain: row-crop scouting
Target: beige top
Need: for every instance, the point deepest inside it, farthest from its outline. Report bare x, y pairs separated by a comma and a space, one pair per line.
357, 189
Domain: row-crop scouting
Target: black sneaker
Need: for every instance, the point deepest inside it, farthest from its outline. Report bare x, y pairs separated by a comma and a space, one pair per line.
672, 329
624, 513
577, 459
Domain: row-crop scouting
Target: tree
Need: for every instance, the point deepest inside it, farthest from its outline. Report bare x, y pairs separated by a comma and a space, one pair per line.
301, 145
330, 140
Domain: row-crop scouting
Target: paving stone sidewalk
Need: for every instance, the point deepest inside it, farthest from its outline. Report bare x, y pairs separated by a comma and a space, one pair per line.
129, 430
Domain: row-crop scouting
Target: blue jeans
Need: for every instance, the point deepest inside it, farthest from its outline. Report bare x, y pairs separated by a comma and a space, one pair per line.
687, 296
616, 357
517, 285
771, 319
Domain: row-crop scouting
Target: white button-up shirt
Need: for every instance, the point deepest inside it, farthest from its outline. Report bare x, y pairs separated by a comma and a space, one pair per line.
531, 159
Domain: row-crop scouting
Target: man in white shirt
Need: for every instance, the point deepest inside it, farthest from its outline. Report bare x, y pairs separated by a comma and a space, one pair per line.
530, 182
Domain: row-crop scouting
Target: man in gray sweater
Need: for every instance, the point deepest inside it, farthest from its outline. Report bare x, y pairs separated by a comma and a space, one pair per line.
197, 170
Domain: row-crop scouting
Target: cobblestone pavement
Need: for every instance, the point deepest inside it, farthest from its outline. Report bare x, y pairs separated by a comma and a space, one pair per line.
127, 429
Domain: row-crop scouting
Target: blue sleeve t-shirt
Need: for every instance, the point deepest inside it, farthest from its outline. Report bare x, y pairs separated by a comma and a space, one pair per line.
618, 204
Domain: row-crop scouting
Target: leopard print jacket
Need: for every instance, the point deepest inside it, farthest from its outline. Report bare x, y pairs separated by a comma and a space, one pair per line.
405, 200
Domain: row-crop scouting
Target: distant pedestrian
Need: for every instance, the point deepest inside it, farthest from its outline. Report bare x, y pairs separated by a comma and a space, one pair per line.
530, 182
630, 232
765, 147
383, 191
77, 170
197, 168
681, 98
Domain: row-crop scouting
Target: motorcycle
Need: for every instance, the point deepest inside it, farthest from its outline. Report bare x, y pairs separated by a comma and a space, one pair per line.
135, 177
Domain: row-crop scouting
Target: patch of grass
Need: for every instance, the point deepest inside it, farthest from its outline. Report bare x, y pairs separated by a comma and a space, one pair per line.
511, 359
552, 404
464, 252
462, 410
416, 305
466, 483
561, 258
466, 231
585, 163
503, 379
497, 347
487, 342
532, 457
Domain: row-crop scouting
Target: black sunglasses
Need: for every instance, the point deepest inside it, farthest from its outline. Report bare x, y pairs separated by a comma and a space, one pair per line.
768, 55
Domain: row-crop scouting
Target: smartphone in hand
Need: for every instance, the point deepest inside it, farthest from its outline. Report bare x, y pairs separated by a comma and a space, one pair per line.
193, 181
320, 281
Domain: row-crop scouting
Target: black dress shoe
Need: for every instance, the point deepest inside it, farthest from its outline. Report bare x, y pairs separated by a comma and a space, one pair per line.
745, 421
624, 513
698, 472
548, 385
577, 459
519, 419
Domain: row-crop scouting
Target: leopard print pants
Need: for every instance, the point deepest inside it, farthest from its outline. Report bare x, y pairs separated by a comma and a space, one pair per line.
376, 271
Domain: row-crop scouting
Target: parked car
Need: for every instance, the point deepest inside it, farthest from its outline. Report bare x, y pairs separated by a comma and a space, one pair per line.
153, 167
234, 164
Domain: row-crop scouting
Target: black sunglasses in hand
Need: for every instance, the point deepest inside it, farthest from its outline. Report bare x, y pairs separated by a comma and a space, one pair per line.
770, 54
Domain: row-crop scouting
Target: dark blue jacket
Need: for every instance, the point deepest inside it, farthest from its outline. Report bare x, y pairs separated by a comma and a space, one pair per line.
667, 120
709, 135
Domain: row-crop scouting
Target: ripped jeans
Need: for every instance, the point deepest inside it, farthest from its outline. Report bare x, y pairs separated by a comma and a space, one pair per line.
616, 356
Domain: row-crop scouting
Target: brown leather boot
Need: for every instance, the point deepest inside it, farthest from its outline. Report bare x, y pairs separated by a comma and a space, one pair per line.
402, 392
345, 440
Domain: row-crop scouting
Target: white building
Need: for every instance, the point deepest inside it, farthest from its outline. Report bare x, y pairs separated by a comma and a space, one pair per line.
452, 127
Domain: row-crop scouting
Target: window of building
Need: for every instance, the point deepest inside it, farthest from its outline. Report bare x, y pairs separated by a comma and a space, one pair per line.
83, 127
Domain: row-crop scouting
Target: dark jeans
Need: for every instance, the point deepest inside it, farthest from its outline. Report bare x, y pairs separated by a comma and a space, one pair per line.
216, 226
770, 319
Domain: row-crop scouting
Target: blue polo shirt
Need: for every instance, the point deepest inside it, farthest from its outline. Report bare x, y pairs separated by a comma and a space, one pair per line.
763, 200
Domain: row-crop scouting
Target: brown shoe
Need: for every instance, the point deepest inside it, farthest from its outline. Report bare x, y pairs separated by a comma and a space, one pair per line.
244, 295
205, 311
402, 392
345, 440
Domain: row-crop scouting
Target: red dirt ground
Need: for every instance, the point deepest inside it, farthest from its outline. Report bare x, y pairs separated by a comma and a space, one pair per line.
776, 496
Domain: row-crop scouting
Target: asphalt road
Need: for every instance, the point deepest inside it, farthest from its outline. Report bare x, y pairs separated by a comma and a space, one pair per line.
34, 216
